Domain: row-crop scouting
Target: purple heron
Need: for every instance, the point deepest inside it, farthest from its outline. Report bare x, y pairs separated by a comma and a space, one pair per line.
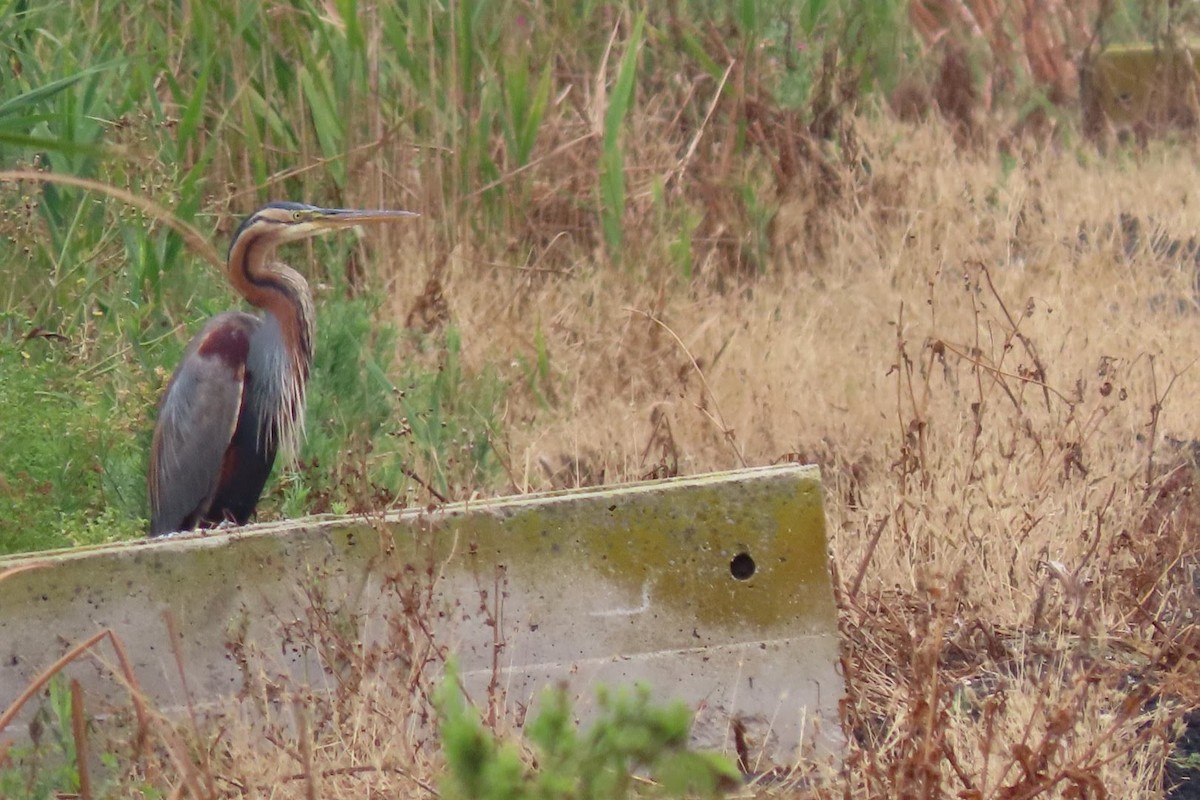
238, 395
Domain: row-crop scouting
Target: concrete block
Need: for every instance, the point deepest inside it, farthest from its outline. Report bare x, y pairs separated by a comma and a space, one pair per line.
714, 590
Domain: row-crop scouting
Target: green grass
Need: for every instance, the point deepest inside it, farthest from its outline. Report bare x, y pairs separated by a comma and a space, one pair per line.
70, 468
48, 764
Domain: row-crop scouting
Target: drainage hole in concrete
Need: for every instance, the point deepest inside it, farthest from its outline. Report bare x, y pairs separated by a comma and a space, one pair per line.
742, 566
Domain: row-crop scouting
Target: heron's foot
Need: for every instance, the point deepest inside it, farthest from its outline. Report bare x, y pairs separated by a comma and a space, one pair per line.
171, 535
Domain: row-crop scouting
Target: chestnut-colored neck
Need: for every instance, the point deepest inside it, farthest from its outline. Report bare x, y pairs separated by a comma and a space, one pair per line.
277, 289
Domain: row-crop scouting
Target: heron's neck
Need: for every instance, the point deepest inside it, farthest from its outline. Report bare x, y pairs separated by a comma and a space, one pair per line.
282, 370
280, 291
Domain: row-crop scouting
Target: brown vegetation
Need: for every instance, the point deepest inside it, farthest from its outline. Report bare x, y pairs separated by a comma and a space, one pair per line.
992, 396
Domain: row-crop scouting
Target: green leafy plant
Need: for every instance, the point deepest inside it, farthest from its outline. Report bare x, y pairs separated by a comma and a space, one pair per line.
47, 766
612, 169
630, 735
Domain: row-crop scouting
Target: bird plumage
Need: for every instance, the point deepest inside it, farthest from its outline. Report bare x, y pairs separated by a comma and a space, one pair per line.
197, 419
238, 396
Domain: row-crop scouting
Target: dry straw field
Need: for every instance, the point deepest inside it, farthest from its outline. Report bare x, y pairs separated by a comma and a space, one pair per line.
998, 380
986, 334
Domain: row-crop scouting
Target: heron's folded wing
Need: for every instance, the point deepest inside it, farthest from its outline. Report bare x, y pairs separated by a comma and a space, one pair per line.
196, 422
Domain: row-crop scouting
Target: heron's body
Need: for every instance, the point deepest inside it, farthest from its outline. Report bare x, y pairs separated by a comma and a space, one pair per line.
211, 455
237, 397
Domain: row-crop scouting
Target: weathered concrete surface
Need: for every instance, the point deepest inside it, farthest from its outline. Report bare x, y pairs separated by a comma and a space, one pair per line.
1146, 87
715, 590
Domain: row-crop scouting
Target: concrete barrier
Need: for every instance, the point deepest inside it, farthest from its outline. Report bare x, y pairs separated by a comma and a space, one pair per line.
714, 590
1145, 89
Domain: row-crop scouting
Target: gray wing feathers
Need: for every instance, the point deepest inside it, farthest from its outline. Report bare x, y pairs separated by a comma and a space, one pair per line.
196, 423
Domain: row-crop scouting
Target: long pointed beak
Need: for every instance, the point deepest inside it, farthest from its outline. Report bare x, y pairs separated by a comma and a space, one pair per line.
348, 217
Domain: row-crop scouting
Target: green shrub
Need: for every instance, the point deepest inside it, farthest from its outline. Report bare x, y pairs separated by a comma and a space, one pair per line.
629, 736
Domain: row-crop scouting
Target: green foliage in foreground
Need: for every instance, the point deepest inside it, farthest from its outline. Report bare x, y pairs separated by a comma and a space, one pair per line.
629, 736
48, 766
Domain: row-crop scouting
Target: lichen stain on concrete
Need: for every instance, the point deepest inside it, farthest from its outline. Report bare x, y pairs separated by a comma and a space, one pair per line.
682, 550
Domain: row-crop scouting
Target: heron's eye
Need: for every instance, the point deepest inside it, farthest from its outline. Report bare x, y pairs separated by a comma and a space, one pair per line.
297, 216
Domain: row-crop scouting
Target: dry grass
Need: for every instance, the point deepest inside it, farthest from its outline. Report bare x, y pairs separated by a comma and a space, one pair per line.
991, 395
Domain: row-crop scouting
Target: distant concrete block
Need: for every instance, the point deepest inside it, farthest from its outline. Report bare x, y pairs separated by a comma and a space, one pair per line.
715, 590
1141, 88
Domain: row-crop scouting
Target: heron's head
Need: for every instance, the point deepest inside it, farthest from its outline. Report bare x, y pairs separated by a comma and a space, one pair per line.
281, 222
